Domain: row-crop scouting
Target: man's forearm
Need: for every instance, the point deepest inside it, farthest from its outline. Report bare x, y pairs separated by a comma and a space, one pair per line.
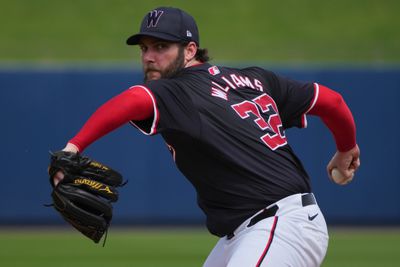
334, 112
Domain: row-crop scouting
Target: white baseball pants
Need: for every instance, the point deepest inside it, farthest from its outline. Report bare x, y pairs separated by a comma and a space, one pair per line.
296, 236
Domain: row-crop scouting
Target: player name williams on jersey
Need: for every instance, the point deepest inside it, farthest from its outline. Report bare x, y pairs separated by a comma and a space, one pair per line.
211, 116
232, 82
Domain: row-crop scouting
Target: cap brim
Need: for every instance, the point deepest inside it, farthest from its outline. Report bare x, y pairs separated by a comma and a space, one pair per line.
135, 39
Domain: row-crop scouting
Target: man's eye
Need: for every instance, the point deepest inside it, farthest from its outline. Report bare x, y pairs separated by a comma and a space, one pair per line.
143, 48
161, 46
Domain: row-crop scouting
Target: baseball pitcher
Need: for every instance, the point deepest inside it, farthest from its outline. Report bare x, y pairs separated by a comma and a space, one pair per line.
225, 129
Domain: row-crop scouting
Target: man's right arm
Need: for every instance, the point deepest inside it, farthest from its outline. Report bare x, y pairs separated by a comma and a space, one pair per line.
132, 104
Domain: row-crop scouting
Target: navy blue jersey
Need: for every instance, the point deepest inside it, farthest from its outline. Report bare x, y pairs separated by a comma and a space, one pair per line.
225, 130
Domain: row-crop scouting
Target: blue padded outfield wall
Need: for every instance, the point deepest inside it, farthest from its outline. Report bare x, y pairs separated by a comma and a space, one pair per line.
42, 108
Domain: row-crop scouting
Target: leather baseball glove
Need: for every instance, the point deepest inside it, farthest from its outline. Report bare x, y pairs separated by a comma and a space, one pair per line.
84, 196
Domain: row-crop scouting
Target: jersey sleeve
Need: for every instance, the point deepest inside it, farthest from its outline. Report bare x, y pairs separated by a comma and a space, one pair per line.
294, 98
173, 109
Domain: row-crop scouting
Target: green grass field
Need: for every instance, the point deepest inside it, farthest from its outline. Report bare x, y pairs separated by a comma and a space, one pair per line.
291, 31
173, 248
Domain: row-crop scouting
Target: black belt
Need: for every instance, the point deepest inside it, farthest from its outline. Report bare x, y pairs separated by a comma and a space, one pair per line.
306, 200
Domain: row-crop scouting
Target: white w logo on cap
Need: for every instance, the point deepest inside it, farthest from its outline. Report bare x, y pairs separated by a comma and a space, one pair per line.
153, 18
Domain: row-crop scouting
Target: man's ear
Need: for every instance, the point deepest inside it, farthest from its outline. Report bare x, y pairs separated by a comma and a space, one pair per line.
190, 51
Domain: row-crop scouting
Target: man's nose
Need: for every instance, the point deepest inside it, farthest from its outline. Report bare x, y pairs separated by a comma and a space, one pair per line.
148, 56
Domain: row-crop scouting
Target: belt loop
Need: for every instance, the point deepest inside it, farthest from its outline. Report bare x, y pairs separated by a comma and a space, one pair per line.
230, 236
269, 212
308, 199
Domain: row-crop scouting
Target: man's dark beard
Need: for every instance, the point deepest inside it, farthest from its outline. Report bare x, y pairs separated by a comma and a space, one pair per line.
175, 66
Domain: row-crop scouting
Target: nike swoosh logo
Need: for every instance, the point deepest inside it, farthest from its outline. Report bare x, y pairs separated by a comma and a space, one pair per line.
312, 217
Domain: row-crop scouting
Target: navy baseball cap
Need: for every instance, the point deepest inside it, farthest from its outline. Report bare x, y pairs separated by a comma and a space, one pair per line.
167, 23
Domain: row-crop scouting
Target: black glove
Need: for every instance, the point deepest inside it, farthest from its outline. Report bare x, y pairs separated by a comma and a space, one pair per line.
84, 196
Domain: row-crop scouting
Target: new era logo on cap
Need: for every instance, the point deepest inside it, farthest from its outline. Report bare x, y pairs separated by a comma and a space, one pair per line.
153, 18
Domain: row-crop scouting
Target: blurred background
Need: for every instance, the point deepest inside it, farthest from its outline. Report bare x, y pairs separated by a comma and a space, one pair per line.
60, 60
